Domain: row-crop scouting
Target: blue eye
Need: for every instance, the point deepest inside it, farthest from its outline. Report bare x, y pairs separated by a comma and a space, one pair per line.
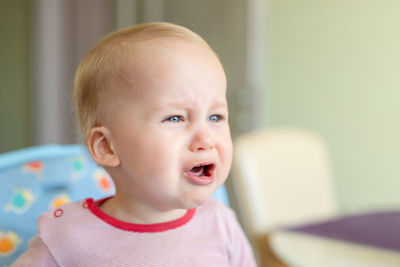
214, 118
174, 119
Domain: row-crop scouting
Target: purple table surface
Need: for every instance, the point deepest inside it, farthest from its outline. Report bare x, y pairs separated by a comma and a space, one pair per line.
377, 229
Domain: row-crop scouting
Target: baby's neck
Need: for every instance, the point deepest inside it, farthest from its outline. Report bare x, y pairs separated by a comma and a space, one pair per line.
138, 214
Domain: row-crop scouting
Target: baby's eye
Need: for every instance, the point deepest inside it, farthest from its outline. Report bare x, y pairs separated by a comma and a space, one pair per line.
215, 118
174, 119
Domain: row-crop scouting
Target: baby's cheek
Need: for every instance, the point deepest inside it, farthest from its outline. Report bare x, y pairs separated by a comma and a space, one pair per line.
228, 150
226, 158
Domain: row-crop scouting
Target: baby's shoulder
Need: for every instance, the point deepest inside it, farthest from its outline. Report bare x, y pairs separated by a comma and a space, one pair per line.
216, 219
64, 211
64, 217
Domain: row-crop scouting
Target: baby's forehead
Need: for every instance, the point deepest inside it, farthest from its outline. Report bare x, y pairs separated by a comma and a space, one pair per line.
151, 58
145, 56
152, 48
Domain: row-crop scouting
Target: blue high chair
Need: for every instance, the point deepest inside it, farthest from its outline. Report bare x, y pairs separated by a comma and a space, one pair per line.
36, 179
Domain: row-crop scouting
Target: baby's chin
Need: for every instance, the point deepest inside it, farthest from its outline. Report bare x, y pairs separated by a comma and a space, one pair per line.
195, 201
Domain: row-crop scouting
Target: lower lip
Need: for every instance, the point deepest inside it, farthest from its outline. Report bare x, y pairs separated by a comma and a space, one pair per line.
200, 180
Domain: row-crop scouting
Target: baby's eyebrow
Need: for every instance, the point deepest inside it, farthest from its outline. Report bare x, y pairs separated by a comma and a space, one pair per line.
170, 105
220, 105
180, 105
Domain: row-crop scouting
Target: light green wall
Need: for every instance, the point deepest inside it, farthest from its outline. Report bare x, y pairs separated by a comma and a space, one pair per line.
334, 67
14, 74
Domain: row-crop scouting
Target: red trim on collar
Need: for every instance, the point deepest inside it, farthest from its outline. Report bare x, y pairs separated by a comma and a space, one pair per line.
141, 228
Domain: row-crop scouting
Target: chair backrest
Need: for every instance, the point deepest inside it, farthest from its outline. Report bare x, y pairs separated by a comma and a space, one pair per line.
36, 179
281, 177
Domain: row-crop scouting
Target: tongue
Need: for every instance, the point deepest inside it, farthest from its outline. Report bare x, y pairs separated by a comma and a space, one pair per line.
197, 170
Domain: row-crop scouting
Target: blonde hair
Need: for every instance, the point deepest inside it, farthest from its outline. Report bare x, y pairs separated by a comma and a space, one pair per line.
99, 70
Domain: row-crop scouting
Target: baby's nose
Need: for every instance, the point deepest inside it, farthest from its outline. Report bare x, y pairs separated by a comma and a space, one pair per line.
202, 140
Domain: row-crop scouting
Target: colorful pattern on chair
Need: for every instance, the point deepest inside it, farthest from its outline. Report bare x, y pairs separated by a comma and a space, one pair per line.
36, 179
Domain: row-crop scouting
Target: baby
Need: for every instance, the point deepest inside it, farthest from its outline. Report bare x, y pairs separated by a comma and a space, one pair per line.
152, 107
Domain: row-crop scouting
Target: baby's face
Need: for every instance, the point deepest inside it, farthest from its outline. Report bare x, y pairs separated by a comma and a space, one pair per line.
171, 130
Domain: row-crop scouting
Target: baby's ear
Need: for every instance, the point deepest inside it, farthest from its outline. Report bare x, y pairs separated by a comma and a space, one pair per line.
101, 148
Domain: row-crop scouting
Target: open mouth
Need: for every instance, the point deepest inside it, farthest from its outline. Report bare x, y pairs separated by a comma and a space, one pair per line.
203, 170
201, 174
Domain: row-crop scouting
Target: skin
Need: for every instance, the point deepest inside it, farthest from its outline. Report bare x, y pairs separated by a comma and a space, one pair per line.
171, 117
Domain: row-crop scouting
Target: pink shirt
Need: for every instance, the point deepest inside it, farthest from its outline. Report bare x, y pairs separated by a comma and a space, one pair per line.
80, 234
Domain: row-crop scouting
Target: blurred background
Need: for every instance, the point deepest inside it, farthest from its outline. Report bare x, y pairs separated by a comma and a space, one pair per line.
328, 66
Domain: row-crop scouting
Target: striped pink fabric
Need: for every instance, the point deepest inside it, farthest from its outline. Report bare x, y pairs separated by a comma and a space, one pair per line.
79, 234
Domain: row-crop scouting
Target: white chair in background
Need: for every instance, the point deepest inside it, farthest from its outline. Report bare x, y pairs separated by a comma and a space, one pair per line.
281, 177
